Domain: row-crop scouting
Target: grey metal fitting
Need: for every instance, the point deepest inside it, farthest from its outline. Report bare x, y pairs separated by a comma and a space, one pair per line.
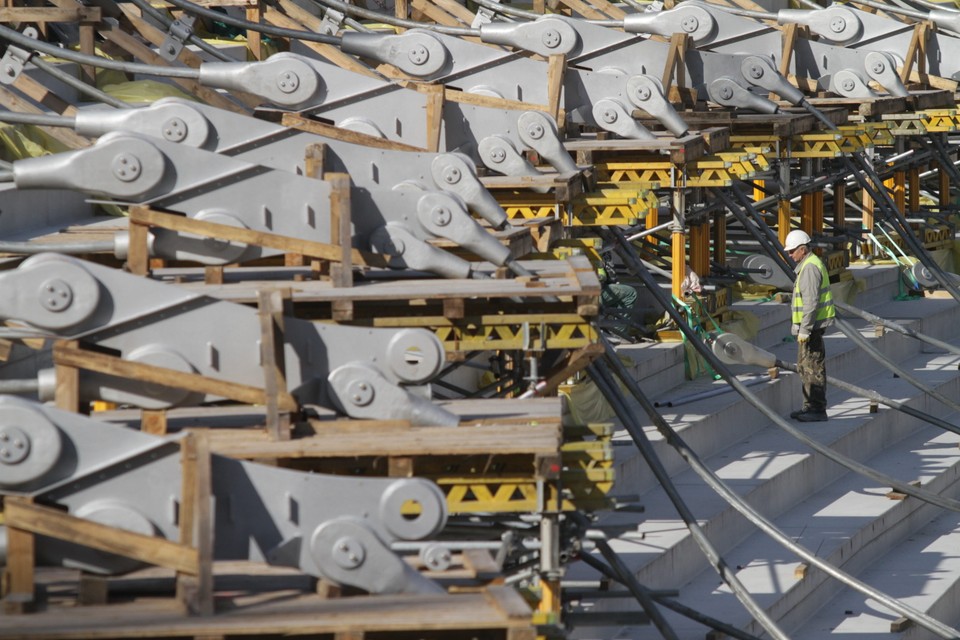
760, 72
498, 154
172, 120
120, 165
361, 391
416, 52
282, 79
692, 20
732, 349
410, 252
646, 92
43, 294
849, 84
545, 36
836, 24
882, 68
945, 19
444, 216
455, 173
725, 92
612, 115
30, 447
538, 131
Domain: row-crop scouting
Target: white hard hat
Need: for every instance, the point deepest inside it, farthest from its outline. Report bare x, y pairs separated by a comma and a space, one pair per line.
795, 238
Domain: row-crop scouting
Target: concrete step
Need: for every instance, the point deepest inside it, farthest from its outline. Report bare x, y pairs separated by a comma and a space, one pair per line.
713, 424
923, 571
775, 473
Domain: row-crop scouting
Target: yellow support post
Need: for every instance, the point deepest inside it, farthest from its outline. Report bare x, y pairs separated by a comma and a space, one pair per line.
700, 248
807, 213
840, 204
783, 220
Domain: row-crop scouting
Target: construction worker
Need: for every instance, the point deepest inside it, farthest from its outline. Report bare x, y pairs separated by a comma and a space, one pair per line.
812, 312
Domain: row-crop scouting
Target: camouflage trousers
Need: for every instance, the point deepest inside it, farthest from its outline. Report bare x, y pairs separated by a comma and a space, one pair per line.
811, 366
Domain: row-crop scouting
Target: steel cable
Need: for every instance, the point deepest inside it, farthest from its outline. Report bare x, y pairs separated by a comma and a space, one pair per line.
717, 484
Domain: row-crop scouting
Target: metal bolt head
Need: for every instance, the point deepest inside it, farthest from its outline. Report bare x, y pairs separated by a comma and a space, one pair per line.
498, 155
726, 93
847, 84
126, 167
838, 24
436, 557
878, 66
55, 295
288, 82
418, 54
175, 130
755, 71
360, 393
535, 131
451, 175
441, 216
14, 445
689, 24
551, 38
643, 93
609, 116
348, 552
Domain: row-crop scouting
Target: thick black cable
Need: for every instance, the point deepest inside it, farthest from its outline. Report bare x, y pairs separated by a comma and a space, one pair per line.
720, 487
270, 30
627, 252
670, 603
637, 590
17, 38
873, 396
192, 38
604, 381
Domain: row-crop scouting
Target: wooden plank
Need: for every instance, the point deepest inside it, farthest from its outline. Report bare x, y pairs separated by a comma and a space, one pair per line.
45, 521
66, 394
341, 230
270, 309
195, 589
464, 15
112, 366
435, 98
154, 421
18, 583
50, 14
296, 121
347, 441
556, 72
138, 255
145, 215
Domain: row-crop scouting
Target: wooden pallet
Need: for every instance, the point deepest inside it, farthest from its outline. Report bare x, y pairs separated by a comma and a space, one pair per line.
262, 602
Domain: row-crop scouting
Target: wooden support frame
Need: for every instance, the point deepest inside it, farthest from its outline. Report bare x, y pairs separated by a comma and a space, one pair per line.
674, 71
917, 51
147, 217
556, 72
67, 355
195, 584
254, 13
271, 309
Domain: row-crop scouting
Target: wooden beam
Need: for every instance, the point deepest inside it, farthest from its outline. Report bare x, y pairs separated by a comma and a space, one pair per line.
556, 72
435, 99
270, 309
19, 573
322, 250
295, 121
195, 589
66, 394
54, 523
113, 366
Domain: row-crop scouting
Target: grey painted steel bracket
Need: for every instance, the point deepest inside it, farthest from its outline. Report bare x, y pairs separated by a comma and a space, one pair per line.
145, 321
335, 527
273, 145
216, 188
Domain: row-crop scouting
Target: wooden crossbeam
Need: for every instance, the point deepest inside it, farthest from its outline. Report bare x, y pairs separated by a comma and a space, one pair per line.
152, 218
22, 515
112, 366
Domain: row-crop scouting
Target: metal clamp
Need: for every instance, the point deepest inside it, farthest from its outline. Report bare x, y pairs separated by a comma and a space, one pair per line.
177, 35
456, 173
283, 79
692, 20
836, 24
15, 58
725, 92
646, 92
612, 115
760, 72
538, 131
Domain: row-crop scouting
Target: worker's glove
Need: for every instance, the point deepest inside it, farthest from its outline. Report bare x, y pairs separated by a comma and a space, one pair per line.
803, 337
